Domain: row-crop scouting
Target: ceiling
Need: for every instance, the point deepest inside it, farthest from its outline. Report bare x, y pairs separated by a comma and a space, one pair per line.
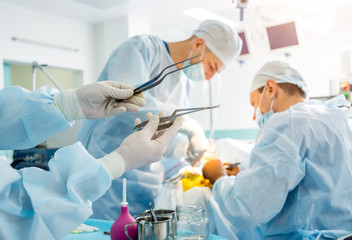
95, 11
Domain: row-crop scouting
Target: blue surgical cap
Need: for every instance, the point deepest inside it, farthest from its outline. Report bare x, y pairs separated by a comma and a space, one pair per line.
221, 39
281, 72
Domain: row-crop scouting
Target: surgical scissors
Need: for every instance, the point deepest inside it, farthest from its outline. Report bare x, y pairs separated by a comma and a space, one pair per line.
165, 122
157, 80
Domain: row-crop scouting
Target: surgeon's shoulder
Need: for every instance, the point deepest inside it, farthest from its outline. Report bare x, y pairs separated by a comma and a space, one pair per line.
298, 118
279, 120
286, 120
145, 41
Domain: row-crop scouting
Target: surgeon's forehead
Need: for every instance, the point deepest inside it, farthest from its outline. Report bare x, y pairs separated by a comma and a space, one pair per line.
218, 64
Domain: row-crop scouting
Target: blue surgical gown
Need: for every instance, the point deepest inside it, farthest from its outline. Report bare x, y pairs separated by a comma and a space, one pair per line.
39, 204
298, 185
136, 61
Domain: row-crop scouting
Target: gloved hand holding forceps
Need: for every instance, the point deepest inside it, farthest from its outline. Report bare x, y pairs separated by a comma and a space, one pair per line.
98, 100
35, 116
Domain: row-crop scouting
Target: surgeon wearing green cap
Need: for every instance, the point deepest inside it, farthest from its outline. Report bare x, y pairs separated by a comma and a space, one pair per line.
297, 185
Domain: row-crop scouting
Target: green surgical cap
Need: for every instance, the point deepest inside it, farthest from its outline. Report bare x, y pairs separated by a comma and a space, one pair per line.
221, 39
281, 72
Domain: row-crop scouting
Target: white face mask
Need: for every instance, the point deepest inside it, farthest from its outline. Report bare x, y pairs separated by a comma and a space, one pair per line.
195, 72
261, 118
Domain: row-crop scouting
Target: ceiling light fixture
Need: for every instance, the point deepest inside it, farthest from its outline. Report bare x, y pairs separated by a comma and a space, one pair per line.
241, 4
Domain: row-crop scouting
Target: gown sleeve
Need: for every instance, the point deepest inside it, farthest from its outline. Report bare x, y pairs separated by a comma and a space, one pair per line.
28, 118
133, 63
39, 204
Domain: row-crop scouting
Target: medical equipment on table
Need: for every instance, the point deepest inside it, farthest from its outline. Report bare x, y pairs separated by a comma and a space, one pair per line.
151, 230
85, 228
33, 157
169, 213
117, 231
157, 80
165, 122
152, 212
192, 222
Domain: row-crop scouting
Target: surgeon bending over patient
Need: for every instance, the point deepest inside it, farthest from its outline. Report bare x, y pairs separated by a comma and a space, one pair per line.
38, 204
298, 185
136, 61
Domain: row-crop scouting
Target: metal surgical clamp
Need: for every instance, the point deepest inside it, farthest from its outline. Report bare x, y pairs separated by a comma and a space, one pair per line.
165, 122
157, 80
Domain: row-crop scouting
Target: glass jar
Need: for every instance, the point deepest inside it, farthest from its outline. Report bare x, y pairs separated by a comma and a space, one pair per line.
192, 222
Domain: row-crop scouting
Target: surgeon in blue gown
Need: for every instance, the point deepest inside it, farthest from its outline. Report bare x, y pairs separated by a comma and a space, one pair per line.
136, 61
298, 182
44, 205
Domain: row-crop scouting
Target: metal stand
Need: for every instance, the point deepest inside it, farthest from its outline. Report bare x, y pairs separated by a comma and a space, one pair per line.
211, 134
35, 65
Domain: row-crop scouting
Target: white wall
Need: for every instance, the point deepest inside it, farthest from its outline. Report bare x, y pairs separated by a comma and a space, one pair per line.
21, 23
108, 35
318, 59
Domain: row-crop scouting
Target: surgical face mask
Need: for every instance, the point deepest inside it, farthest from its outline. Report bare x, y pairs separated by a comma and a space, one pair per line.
196, 72
261, 118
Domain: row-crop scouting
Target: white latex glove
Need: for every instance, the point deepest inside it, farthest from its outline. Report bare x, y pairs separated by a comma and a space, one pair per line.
98, 100
178, 147
197, 143
140, 148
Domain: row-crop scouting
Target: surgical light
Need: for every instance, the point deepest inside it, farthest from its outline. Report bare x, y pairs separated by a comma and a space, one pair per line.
241, 4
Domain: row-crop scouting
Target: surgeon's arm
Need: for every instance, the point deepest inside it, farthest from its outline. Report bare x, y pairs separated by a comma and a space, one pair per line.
32, 117
133, 63
129, 63
38, 204
140, 148
256, 195
28, 118
98, 100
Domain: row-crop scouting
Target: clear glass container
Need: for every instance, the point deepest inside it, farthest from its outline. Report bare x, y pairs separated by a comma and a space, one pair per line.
192, 222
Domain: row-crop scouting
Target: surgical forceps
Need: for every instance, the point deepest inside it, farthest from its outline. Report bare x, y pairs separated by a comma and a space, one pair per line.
165, 122
157, 80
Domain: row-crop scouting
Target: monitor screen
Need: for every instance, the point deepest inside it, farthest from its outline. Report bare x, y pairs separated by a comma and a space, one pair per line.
283, 35
244, 43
